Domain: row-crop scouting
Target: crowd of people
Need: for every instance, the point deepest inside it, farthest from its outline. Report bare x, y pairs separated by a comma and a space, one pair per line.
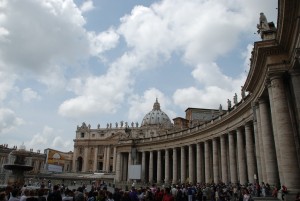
176, 192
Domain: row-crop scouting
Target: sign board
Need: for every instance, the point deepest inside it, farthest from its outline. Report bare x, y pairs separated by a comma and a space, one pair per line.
134, 171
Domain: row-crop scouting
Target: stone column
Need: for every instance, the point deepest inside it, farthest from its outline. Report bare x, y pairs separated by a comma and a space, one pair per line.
95, 159
114, 159
263, 177
129, 163
241, 156
85, 159
207, 162
250, 154
175, 163
199, 163
118, 167
274, 126
124, 166
191, 164
182, 165
224, 167
215, 161
144, 166
232, 158
159, 166
289, 167
295, 78
74, 167
167, 167
108, 158
151, 167
268, 144
104, 159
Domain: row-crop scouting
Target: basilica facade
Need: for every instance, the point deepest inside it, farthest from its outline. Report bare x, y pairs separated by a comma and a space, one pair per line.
256, 139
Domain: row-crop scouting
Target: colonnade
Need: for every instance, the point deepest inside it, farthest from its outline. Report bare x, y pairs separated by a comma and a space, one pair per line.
263, 149
223, 158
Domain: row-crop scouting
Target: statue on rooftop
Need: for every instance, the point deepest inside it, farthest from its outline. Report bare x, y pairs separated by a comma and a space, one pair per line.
263, 23
229, 104
235, 99
243, 93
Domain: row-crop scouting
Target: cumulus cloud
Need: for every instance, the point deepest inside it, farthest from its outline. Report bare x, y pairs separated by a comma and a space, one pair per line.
141, 105
103, 41
6, 83
152, 34
28, 94
101, 94
86, 6
8, 120
53, 33
49, 137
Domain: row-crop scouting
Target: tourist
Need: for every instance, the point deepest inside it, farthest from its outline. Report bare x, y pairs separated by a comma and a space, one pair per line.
14, 195
24, 196
117, 195
133, 195
283, 191
101, 196
158, 195
246, 196
8, 190
31, 196
68, 196
168, 196
55, 195
79, 194
3, 196
109, 197
41, 196
275, 192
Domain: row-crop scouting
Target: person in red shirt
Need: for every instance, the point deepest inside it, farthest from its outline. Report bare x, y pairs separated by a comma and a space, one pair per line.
168, 196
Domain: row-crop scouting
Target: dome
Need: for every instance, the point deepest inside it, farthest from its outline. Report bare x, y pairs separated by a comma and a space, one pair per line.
156, 117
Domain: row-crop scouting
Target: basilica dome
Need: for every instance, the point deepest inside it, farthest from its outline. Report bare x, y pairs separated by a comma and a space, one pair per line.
156, 117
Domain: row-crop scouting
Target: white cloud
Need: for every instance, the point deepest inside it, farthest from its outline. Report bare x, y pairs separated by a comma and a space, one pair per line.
141, 105
8, 120
102, 94
103, 41
28, 94
53, 33
152, 34
49, 137
86, 6
6, 83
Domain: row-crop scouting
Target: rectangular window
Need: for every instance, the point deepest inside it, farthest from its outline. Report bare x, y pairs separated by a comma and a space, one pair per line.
82, 135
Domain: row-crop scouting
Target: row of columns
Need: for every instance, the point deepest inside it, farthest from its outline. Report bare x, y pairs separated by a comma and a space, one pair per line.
90, 160
222, 158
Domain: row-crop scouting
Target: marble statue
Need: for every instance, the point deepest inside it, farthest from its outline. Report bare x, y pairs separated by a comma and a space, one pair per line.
235, 99
229, 104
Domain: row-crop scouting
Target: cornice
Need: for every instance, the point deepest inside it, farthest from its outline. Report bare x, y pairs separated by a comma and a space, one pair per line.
262, 54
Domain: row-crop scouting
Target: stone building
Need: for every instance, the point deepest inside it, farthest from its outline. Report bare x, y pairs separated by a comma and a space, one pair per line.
37, 160
255, 140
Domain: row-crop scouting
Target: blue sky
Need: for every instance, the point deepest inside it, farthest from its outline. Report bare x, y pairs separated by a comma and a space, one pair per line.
65, 62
